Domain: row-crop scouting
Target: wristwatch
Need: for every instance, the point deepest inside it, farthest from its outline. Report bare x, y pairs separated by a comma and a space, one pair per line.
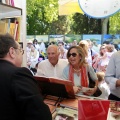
99, 8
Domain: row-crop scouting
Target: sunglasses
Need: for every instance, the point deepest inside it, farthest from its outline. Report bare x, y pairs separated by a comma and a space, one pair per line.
73, 54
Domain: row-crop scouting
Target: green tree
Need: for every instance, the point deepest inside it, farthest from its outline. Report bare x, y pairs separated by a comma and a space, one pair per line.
85, 25
62, 25
43, 18
115, 24
40, 13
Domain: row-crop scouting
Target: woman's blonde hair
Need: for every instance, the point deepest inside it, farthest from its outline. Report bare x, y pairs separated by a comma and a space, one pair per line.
110, 48
100, 76
84, 44
80, 51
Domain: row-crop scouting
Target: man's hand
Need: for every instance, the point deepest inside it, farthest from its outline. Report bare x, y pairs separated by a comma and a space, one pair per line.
118, 83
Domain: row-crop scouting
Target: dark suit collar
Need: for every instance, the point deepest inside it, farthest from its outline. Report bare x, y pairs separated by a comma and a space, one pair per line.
6, 61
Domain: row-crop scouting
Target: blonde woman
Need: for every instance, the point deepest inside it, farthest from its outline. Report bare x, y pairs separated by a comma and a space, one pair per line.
77, 70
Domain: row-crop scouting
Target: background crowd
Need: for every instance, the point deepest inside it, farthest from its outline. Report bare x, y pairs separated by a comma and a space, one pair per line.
92, 73
40, 59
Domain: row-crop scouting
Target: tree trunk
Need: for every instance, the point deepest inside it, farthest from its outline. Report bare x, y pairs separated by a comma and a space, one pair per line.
104, 27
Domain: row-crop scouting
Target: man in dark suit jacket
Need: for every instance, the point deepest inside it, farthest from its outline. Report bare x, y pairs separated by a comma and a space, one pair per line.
20, 97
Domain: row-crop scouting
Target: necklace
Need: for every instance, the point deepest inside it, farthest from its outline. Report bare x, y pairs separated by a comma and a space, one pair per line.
76, 70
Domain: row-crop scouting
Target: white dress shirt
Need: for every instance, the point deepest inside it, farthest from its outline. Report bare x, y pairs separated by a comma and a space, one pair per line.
45, 68
113, 73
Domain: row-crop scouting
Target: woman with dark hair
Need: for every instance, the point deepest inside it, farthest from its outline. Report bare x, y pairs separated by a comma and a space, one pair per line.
36, 45
77, 71
62, 50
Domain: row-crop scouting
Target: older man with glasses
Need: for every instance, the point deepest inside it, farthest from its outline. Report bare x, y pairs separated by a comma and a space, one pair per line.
20, 96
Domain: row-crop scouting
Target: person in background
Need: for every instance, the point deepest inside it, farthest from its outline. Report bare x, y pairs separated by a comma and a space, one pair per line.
20, 96
101, 61
53, 66
92, 54
36, 45
67, 46
106, 52
85, 46
28, 49
42, 47
112, 76
52, 43
103, 86
41, 56
108, 43
74, 43
109, 52
62, 50
77, 70
95, 46
33, 58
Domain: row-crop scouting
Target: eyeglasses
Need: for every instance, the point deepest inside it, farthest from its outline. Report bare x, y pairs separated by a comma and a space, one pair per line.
73, 54
21, 50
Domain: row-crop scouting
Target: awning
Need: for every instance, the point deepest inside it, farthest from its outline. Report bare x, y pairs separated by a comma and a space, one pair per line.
67, 7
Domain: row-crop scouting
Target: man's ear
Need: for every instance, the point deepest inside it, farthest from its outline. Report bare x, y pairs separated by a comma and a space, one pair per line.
12, 52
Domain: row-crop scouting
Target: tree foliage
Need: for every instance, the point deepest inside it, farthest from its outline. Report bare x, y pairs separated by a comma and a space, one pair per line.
86, 25
62, 25
40, 13
43, 18
115, 24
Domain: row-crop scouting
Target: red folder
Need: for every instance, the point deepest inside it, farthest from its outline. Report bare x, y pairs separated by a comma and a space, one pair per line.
93, 109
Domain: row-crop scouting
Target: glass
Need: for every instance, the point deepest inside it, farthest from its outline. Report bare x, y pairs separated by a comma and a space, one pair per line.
21, 50
73, 54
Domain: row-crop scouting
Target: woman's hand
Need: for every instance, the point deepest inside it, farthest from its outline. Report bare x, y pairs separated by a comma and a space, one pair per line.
91, 91
76, 89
